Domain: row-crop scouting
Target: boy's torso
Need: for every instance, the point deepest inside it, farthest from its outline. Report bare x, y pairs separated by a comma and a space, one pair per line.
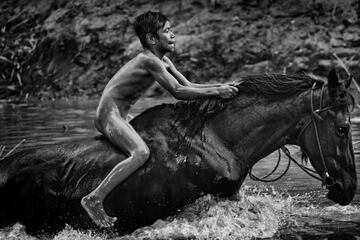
127, 85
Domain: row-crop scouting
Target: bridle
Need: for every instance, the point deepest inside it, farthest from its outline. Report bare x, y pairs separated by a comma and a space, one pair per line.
326, 179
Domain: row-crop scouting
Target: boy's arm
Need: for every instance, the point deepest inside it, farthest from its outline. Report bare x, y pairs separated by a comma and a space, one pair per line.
177, 89
182, 79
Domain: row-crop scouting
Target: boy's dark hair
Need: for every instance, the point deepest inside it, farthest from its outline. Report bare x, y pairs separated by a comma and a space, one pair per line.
148, 22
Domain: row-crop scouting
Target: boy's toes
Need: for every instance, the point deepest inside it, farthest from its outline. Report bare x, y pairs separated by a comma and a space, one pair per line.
103, 224
113, 220
107, 222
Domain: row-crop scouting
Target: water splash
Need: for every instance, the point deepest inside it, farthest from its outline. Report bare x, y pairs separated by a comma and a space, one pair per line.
255, 212
15, 232
70, 233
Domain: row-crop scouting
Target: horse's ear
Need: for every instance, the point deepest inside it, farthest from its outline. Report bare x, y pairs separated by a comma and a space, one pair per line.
333, 80
337, 91
348, 81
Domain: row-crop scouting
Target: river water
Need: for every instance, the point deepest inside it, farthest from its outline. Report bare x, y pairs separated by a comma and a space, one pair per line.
295, 207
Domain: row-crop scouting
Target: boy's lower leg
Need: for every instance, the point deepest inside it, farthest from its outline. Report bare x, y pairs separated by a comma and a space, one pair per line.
93, 202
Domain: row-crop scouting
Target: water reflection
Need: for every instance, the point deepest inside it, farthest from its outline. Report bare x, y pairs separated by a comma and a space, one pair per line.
53, 122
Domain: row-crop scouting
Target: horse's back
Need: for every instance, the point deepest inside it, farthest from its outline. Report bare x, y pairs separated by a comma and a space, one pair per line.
71, 164
44, 185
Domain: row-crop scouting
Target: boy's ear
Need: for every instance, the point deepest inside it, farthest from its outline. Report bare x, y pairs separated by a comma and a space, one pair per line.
150, 39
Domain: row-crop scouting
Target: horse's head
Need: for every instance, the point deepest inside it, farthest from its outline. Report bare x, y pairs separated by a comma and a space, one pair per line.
326, 140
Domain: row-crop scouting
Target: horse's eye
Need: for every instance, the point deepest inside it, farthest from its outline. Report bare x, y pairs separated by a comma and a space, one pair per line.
342, 130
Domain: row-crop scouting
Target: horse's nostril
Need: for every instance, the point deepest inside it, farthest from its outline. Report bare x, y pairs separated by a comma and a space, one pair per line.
329, 181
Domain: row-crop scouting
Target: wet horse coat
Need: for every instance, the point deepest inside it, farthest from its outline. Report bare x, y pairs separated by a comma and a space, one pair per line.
197, 147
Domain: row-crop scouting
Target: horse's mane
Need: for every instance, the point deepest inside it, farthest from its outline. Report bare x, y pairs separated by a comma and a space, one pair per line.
273, 87
276, 86
192, 114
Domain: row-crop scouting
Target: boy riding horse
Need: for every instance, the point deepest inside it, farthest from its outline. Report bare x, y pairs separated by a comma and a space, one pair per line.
125, 88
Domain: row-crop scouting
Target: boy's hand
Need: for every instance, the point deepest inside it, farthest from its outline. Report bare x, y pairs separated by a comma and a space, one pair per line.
227, 91
234, 83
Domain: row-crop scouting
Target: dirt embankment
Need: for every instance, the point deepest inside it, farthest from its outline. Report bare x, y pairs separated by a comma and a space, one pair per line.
61, 48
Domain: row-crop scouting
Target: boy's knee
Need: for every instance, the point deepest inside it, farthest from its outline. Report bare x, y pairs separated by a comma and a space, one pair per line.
142, 154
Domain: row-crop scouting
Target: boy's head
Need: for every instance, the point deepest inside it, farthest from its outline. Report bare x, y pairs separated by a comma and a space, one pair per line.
149, 23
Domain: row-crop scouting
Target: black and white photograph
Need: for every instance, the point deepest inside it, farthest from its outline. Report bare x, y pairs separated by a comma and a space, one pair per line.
179, 119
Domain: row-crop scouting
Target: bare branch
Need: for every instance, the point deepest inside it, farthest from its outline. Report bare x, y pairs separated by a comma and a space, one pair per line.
11, 151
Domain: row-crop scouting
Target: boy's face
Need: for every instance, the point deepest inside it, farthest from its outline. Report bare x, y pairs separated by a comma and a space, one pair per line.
166, 41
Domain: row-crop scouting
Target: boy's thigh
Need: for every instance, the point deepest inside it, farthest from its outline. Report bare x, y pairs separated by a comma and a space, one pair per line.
123, 135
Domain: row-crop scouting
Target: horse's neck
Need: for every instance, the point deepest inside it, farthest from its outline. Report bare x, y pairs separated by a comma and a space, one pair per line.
257, 129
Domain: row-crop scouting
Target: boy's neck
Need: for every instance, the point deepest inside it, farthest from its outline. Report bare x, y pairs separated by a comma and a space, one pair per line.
156, 52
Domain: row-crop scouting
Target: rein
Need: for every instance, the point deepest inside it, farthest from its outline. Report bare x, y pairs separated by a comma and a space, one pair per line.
315, 117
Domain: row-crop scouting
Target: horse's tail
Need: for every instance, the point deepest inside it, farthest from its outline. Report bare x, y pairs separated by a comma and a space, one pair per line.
3, 195
4, 160
8, 188
3, 172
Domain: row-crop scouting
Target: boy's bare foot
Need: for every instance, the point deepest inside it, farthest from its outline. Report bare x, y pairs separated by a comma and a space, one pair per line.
95, 209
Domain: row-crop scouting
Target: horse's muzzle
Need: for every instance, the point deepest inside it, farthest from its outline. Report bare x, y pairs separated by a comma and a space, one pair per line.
339, 194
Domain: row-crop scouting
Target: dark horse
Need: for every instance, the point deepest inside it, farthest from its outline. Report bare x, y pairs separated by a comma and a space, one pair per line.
197, 147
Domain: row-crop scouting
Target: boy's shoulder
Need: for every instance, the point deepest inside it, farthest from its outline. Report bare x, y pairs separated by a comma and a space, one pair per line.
153, 59
145, 57
149, 60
